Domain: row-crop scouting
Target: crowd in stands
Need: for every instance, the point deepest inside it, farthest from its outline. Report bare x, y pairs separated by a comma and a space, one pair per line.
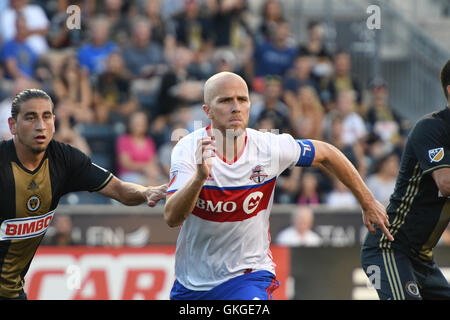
137, 68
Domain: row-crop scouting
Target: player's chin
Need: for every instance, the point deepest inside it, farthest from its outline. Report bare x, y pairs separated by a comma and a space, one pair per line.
39, 148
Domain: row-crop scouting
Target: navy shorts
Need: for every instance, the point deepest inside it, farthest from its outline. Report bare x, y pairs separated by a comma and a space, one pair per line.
257, 285
403, 277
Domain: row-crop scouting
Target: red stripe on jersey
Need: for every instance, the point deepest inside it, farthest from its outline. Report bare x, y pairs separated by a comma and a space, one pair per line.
233, 205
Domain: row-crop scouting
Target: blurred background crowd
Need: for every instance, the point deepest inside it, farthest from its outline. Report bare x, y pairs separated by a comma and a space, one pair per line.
128, 84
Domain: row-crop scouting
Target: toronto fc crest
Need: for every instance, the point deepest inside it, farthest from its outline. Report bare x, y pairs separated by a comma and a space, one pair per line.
258, 174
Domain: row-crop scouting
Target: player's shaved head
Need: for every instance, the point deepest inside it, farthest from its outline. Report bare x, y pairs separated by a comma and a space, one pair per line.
214, 83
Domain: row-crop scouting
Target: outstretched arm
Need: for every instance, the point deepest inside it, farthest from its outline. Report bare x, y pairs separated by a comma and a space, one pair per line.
132, 194
335, 161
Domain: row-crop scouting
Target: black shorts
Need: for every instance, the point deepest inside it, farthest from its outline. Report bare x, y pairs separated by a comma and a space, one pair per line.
397, 276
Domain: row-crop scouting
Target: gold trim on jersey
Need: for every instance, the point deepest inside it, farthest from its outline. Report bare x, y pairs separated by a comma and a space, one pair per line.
436, 167
104, 183
405, 206
426, 252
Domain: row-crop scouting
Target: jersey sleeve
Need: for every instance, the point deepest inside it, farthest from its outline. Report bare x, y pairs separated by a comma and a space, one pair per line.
430, 144
294, 152
181, 167
84, 174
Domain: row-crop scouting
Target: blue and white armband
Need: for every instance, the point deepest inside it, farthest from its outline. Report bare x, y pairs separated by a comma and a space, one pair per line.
307, 153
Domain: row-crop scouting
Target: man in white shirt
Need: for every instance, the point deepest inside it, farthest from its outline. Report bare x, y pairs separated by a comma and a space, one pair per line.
221, 192
37, 24
300, 233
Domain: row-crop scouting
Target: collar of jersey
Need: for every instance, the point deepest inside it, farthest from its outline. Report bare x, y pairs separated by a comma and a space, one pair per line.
236, 158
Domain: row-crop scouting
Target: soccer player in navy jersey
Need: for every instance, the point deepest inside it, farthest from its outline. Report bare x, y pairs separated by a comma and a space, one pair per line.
419, 212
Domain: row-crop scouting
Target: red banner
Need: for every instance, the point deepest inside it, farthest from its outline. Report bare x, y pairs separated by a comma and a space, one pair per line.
94, 273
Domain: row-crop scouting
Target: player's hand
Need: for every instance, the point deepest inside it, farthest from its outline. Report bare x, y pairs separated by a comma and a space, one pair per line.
154, 194
376, 214
206, 150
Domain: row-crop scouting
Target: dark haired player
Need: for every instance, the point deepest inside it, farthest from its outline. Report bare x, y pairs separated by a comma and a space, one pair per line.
35, 171
419, 212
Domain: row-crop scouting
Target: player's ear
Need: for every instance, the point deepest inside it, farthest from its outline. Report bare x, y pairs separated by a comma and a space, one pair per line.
207, 110
12, 125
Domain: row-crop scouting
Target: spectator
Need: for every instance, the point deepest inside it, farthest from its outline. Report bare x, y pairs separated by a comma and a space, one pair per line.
321, 57
315, 44
226, 60
18, 85
309, 192
120, 27
382, 181
145, 61
17, 56
271, 105
381, 118
162, 28
143, 57
307, 114
300, 75
136, 153
93, 55
353, 126
271, 17
300, 233
192, 29
113, 97
343, 80
179, 86
229, 24
60, 233
340, 196
273, 57
61, 37
65, 130
353, 152
72, 84
34, 27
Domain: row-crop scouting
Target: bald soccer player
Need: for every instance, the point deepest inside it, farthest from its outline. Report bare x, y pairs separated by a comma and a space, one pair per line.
221, 192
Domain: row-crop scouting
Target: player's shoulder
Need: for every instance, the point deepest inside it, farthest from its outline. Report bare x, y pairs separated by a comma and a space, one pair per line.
434, 120
184, 149
191, 138
60, 151
267, 136
6, 150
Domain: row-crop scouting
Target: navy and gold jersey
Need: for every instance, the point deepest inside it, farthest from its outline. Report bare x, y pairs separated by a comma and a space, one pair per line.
28, 200
418, 213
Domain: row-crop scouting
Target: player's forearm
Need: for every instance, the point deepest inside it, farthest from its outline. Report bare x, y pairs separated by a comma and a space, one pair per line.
180, 204
338, 164
127, 193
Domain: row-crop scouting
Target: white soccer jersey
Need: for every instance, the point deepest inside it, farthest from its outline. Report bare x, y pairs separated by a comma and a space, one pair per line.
227, 233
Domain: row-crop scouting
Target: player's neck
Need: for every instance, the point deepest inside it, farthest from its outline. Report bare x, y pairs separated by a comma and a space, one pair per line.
29, 159
229, 146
